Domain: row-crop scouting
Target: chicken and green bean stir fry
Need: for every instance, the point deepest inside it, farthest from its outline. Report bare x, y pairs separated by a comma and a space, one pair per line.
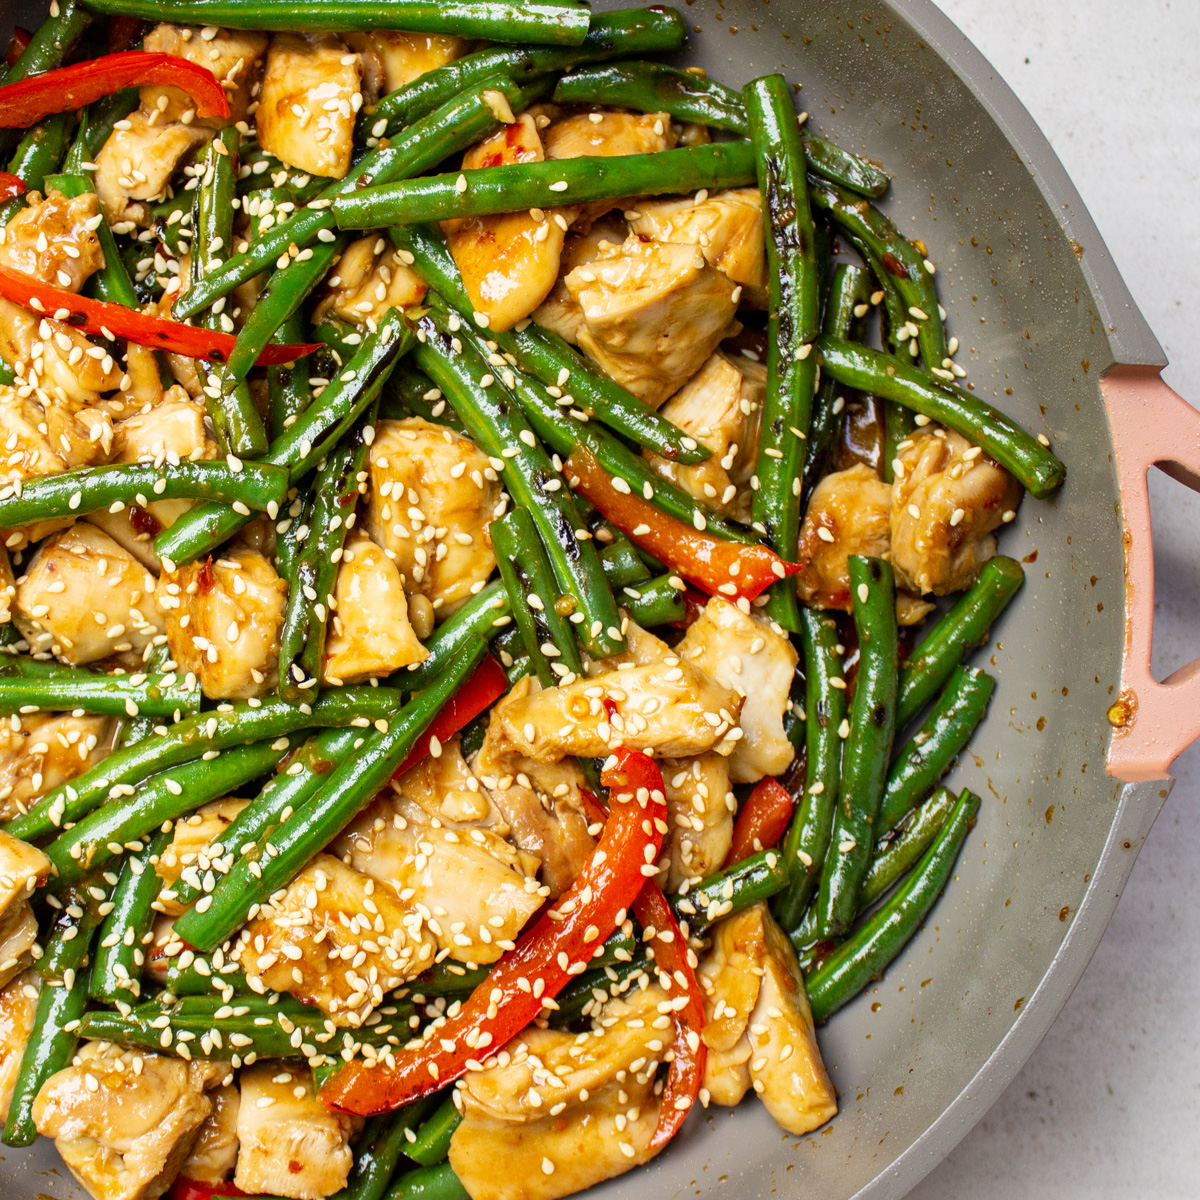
467, 493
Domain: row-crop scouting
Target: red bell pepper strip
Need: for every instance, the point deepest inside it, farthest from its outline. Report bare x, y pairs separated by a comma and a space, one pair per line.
556, 948
16, 45
762, 822
10, 186
719, 568
193, 1189
482, 690
27, 101
95, 316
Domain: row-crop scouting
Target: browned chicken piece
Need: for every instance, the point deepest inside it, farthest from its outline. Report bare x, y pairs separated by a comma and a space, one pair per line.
215, 1150
566, 1111
336, 940
948, 498
672, 707
223, 617
653, 312
433, 495
8, 588
291, 1144
18, 1007
143, 386
124, 1121
18, 935
370, 633
311, 92
437, 842
22, 868
759, 1031
728, 228
721, 407
234, 56
84, 598
700, 808
392, 58
509, 261
54, 241
641, 649
196, 849
559, 312
66, 366
542, 807
43, 751
369, 279
756, 660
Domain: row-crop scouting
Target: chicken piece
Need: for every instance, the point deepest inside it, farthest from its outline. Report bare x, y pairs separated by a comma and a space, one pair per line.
8, 588
508, 261
234, 56
721, 407
559, 312
124, 1121
393, 58
54, 241
215, 1151
653, 312
438, 843
370, 278
194, 847
43, 751
728, 228
18, 934
290, 1143
700, 808
760, 1031
223, 618
137, 162
84, 599
144, 386
584, 1104
947, 499
330, 915
69, 370
23, 868
433, 495
641, 649
310, 95
748, 655
370, 634
672, 707
18, 1006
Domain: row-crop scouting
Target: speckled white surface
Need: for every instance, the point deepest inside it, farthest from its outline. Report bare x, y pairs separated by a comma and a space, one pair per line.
1109, 1105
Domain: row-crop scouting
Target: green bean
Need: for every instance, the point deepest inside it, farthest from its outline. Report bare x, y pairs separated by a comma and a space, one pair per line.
807, 844
956, 634
625, 31
540, 22
106, 695
14, 666
894, 858
190, 739
585, 995
259, 171
793, 281
288, 390
283, 850
336, 489
51, 43
867, 952
522, 186
1027, 458
383, 1144
191, 974
428, 1183
38, 154
655, 602
103, 116
484, 615
898, 425
498, 427
622, 564
755, 879
433, 1138
7, 375
303, 444
868, 746
410, 393
120, 952
534, 598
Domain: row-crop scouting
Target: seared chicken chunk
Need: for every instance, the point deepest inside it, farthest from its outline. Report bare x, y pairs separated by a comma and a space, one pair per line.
337, 941
370, 634
215, 1150
18, 1006
311, 92
223, 619
41, 752
700, 808
947, 499
754, 659
8, 587
194, 846
124, 1121
22, 868
559, 312
721, 407
759, 1031
84, 598
54, 241
433, 495
291, 1144
234, 56
369, 279
672, 707
728, 228
653, 312
582, 1103
392, 58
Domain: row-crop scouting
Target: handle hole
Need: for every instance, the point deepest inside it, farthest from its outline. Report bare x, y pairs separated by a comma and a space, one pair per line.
1175, 517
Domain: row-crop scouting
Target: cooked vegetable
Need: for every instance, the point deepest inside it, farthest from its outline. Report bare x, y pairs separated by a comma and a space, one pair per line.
116, 696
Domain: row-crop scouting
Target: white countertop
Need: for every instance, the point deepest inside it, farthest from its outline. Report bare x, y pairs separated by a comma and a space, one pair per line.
1109, 1105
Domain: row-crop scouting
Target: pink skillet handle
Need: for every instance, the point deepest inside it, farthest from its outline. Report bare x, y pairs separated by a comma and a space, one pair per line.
1151, 426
